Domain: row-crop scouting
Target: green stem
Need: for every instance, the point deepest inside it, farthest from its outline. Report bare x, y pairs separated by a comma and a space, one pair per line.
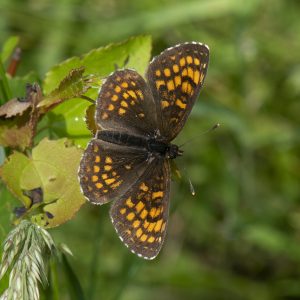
4, 86
131, 270
95, 258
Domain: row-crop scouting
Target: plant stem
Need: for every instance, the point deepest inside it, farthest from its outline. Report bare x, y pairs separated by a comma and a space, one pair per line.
4, 86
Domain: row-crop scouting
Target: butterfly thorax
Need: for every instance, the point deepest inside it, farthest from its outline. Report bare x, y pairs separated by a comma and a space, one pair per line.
152, 144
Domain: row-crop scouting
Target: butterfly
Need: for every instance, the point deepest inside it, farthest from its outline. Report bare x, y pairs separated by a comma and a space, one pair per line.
128, 160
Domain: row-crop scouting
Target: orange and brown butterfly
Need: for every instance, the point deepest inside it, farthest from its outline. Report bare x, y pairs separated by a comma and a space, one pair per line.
128, 160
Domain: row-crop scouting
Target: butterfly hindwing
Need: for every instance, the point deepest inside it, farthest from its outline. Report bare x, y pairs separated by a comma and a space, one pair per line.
107, 170
175, 78
125, 103
140, 216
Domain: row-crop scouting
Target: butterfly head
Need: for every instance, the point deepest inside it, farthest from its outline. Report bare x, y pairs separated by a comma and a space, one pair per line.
173, 151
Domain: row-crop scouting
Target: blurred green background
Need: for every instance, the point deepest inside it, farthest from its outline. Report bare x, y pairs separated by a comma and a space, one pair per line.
239, 236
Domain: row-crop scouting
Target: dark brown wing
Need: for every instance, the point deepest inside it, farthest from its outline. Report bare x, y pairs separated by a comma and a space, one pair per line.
175, 78
140, 216
108, 170
125, 104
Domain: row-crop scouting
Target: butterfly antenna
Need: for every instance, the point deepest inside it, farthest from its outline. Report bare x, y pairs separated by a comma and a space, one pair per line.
195, 137
192, 190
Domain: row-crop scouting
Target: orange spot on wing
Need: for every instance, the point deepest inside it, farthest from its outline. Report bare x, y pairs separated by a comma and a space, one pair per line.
104, 116
144, 237
121, 111
151, 226
144, 214
157, 195
151, 239
130, 216
139, 206
175, 68
159, 83
132, 94
139, 232
111, 107
107, 167
170, 85
96, 169
115, 185
117, 89
140, 94
124, 85
109, 181
108, 160
144, 187
190, 72
180, 104
95, 178
158, 225
177, 80
136, 223
124, 103
114, 98
152, 212
129, 202
99, 185
196, 76
189, 59
164, 104
167, 72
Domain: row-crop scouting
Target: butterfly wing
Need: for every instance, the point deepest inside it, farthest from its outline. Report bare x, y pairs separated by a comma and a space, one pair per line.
108, 170
125, 104
140, 216
175, 78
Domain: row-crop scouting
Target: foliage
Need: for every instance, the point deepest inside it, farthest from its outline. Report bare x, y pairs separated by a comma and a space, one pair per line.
238, 237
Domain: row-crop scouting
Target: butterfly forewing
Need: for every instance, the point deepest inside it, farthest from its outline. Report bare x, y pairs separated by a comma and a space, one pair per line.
108, 170
175, 78
125, 103
140, 216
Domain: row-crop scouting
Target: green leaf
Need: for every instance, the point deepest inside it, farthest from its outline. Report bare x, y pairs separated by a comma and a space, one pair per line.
11, 172
68, 119
8, 48
53, 167
71, 86
56, 163
102, 61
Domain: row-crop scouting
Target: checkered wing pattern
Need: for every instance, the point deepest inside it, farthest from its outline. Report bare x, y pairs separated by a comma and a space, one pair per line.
175, 78
108, 170
140, 216
125, 103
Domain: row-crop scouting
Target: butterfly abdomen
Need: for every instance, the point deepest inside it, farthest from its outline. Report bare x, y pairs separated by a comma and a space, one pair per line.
121, 138
151, 144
